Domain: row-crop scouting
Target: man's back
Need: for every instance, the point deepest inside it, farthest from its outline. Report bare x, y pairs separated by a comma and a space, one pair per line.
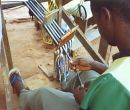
111, 91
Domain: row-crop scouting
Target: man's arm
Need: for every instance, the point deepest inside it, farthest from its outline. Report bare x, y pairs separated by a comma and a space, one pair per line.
98, 67
79, 94
85, 64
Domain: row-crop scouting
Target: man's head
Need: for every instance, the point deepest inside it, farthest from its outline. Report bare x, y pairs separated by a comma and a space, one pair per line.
109, 16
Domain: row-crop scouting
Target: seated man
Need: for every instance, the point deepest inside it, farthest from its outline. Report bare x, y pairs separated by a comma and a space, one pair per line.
111, 90
49, 98
40, 99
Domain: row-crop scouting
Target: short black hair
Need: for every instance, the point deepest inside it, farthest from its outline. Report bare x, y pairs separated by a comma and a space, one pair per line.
119, 7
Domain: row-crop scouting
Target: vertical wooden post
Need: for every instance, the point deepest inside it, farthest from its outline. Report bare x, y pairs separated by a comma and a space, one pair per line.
4, 57
5, 71
81, 23
59, 3
6, 45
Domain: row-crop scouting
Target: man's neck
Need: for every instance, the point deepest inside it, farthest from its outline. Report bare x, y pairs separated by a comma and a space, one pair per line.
121, 54
122, 35
122, 40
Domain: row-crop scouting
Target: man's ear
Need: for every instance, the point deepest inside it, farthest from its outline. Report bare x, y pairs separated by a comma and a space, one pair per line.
105, 14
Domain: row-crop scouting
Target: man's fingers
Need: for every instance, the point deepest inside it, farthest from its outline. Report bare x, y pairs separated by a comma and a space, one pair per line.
81, 67
81, 64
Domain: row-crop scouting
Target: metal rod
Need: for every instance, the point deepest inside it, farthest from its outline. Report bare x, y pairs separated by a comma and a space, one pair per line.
58, 31
56, 35
40, 5
46, 27
58, 41
36, 12
58, 27
53, 27
32, 5
33, 11
63, 46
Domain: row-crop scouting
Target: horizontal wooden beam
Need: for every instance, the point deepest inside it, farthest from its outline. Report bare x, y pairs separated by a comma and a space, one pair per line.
68, 36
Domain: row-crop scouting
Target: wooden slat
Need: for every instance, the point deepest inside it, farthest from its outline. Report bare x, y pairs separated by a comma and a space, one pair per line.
81, 23
46, 71
59, 3
68, 36
6, 45
8, 94
6, 63
67, 20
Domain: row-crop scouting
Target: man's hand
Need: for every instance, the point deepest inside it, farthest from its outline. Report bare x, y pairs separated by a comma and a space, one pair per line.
79, 94
82, 64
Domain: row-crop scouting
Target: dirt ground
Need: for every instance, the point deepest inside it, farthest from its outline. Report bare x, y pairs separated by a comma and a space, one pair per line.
28, 51
27, 47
